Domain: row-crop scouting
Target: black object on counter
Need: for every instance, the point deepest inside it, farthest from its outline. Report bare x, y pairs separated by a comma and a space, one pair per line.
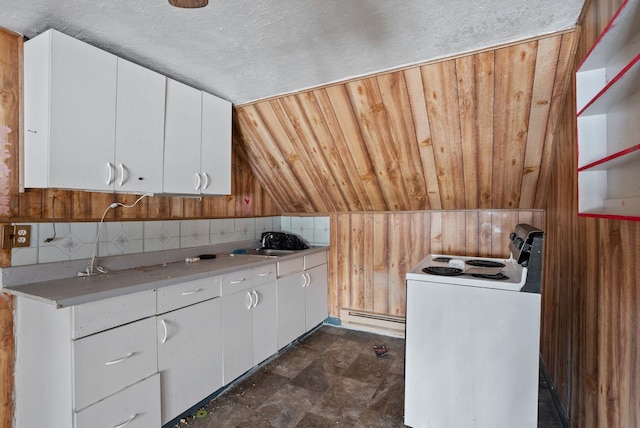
282, 241
207, 256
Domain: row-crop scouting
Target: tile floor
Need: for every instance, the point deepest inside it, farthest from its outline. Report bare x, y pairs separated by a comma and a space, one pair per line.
330, 378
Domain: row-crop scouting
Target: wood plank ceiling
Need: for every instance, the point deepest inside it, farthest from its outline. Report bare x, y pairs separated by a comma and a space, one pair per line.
472, 132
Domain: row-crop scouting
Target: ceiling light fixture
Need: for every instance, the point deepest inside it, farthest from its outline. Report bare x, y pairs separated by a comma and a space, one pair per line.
189, 4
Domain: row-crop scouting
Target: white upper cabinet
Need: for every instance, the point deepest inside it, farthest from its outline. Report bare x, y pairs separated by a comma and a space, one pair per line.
197, 152
101, 123
139, 129
182, 139
215, 162
70, 113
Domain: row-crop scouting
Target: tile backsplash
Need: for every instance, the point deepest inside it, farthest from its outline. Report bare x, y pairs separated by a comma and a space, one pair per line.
74, 241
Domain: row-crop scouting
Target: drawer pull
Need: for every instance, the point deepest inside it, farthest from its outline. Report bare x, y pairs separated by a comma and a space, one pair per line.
238, 281
250, 300
127, 422
166, 331
255, 294
187, 293
265, 274
119, 360
110, 172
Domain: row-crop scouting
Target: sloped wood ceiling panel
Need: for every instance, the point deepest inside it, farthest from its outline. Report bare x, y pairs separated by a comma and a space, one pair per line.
466, 133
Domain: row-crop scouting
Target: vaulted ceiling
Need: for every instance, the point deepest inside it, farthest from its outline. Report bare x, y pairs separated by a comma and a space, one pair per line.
245, 50
464, 133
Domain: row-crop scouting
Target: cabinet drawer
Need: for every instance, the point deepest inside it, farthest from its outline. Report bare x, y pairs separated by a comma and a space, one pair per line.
286, 267
315, 259
236, 281
90, 318
112, 360
263, 274
139, 404
187, 293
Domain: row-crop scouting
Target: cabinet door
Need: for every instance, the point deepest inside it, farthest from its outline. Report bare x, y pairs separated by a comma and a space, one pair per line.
139, 129
237, 339
291, 308
189, 356
265, 322
82, 114
216, 145
316, 296
82, 110
182, 141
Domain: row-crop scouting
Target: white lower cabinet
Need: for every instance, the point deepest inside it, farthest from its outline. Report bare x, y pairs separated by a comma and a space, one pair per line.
67, 372
316, 296
249, 319
137, 406
291, 308
189, 350
302, 296
143, 359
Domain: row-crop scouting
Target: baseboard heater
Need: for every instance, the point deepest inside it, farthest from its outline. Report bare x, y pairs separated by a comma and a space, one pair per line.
371, 319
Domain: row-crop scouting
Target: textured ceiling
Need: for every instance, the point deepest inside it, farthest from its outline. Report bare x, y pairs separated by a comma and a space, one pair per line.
248, 50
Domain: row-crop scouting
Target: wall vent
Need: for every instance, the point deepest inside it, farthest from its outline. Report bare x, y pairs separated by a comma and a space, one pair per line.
370, 319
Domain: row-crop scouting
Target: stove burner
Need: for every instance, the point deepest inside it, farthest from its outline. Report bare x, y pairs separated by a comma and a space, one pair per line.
484, 263
450, 271
442, 259
443, 270
497, 276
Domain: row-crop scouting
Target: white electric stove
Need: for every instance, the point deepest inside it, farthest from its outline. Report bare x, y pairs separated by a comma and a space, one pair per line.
472, 338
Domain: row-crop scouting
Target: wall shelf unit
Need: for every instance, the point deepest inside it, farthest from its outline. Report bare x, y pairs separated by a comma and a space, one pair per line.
608, 119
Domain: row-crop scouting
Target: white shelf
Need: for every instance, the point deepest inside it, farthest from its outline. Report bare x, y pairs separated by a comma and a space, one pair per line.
616, 46
608, 120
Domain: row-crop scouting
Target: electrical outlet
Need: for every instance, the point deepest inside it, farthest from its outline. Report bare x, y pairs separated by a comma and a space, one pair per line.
22, 236
15, 236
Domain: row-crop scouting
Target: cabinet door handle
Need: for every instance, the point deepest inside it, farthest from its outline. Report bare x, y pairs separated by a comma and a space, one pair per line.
265, 274
250, 300
127, 422
187, 293
110, 173
255, 294
124, 174
238, 281
119, 360
166, 331
206, 180
198, 181
307, 279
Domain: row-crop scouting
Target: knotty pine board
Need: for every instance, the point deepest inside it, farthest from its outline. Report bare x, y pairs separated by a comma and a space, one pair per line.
372, 252
462, 133
591, 302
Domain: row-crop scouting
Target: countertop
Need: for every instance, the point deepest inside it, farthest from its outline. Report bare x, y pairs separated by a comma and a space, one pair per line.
71, 291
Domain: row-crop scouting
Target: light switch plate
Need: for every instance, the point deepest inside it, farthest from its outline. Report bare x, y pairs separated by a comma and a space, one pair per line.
7, 236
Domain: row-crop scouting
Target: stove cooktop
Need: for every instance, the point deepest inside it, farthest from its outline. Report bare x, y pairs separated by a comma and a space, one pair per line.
504, 274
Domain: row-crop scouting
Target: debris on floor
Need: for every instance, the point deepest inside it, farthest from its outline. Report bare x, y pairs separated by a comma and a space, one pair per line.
380, 350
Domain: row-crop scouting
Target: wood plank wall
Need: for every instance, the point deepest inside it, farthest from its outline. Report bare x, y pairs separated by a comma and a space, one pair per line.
591, 305
10, 88
372, 252
463, 133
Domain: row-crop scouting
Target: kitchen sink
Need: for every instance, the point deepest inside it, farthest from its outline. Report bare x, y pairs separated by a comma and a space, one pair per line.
268, 252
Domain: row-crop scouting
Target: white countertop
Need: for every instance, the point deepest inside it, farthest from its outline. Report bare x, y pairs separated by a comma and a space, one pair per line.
70, 291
